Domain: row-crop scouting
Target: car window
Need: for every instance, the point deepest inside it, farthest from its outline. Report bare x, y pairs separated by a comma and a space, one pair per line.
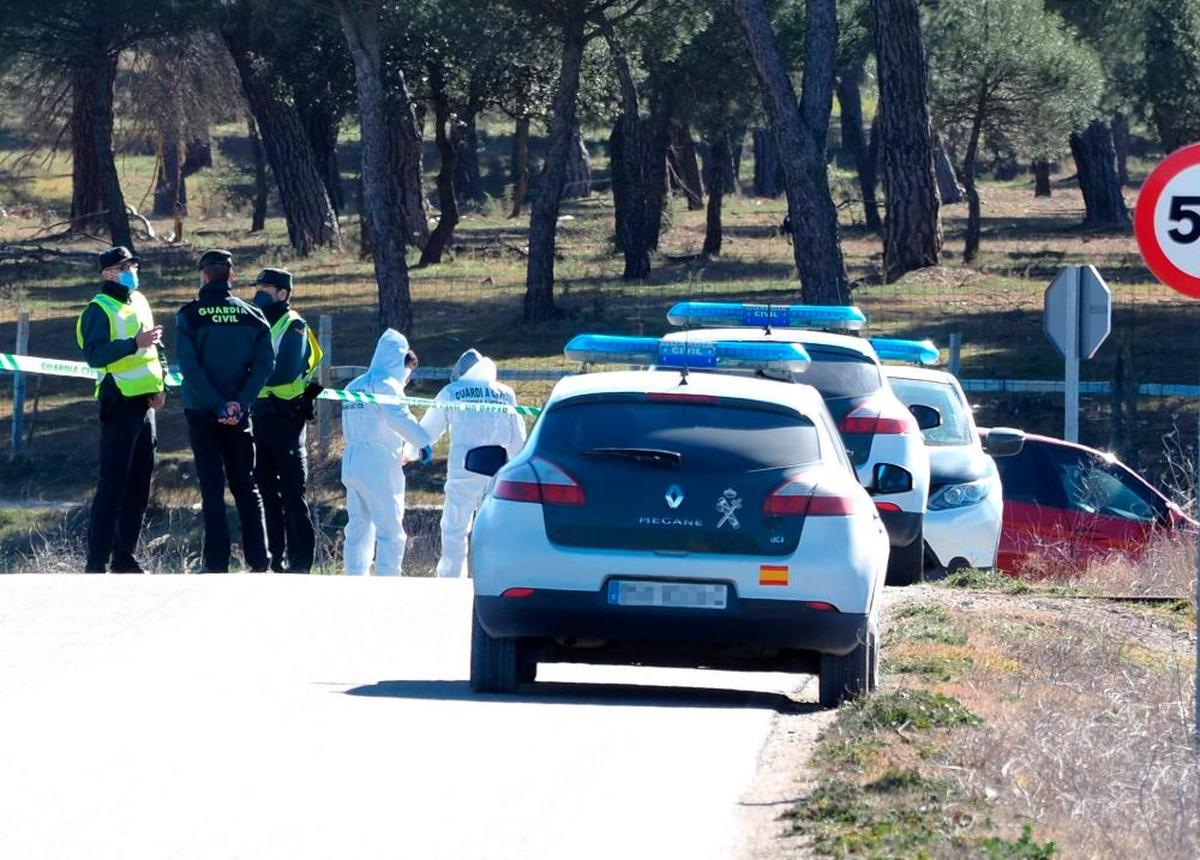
840, 372
720, 437
1019, 477
956, 428
1095, 486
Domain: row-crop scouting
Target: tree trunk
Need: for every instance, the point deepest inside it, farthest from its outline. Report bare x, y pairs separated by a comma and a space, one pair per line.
96, 199
1041, 178
949, 188
404, 157
912, 233
971, 247
854, 140
715, 179
1121, 143
520, 166
198, 154
768, 174
577, 180
543, 221
800, 136
170, 188
627, 168
616, 152
383, 210
1096, 166
685, 165
258, 219
310, 217
322, 127
655, 168
467, 179
449, 139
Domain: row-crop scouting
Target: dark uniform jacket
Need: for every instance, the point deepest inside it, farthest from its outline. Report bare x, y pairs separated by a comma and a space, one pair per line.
224, 349
290, 361
99, 350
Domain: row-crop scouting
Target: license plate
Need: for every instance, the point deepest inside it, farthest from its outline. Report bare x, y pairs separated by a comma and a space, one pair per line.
673, 595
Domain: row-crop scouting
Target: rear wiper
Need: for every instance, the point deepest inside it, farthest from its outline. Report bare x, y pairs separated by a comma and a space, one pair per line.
651, 455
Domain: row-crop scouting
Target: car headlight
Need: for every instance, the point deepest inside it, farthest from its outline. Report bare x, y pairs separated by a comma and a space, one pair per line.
958, 495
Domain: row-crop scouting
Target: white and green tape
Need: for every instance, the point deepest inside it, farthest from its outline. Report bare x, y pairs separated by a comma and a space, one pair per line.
81, 370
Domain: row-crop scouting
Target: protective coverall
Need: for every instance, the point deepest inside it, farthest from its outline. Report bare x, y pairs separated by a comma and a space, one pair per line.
372, 466
473, 380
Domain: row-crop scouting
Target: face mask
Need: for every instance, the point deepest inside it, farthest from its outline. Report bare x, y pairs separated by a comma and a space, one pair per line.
128, 278
263, 299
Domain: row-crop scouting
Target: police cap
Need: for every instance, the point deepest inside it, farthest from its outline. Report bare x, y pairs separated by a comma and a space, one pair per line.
280, 279
215, 257
115, 256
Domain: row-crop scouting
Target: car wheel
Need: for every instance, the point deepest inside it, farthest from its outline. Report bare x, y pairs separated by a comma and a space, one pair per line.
494, 661
846, 677
906, 564
528, 671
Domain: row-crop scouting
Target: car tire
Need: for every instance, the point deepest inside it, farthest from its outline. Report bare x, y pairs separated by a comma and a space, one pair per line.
845, 677
528, 670
906, 564
494, 662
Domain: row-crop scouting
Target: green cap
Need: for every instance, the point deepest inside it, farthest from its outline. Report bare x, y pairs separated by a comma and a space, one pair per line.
215, 257
280, 279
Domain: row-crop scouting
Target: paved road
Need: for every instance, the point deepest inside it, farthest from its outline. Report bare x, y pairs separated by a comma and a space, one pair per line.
323, 717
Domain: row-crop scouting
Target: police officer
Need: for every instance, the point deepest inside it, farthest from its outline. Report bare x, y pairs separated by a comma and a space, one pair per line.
117, 334
280, 414
225, 356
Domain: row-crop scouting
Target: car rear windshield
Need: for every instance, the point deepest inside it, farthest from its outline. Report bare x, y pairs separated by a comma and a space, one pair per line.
840, 372
955, 428
706, 436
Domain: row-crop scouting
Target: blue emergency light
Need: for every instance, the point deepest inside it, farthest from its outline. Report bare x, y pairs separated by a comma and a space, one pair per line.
690, 355
734, 314
913, 351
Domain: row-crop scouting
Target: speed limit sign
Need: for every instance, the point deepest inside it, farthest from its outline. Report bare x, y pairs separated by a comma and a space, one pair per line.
1167, 221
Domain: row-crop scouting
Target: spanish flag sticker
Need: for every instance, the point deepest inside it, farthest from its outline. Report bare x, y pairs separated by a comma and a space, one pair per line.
772, 574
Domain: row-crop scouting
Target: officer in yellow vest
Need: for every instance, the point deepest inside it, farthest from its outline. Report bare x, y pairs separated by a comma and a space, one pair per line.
280, 414
117, 334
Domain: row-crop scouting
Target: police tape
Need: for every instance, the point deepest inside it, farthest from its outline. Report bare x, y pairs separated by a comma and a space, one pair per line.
81, 370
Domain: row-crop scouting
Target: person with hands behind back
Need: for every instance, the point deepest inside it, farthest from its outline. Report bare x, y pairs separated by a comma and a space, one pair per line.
117, 334
225, 357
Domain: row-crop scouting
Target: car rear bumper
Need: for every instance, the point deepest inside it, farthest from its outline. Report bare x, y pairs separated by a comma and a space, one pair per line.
567, 615
902, 526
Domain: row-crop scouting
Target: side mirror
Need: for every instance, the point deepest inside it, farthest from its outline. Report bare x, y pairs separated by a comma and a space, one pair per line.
1004, 442
487, 460
927, 417
889, 478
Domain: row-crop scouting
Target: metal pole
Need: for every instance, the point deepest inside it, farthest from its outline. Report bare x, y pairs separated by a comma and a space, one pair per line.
325, 407
1196, 689
18, 416
1071, 393
955, 352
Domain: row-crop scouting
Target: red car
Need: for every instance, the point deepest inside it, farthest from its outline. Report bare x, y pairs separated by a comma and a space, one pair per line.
1066, 505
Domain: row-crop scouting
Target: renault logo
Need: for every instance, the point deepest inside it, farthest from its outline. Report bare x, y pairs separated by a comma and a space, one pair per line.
674, 496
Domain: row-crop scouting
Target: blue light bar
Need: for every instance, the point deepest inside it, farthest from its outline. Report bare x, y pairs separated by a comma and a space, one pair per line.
838, 317
913, 351
679, 354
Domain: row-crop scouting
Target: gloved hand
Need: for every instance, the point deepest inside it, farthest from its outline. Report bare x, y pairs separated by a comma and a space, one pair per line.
426, 455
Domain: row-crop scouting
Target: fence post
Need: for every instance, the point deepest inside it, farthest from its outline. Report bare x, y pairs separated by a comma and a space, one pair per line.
955, 352
18, 416
325, 377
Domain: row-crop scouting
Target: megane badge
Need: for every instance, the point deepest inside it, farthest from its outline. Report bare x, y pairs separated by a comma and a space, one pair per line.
674, 496
728, 506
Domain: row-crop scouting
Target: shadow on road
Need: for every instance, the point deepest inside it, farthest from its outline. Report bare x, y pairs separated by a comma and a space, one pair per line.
621, 695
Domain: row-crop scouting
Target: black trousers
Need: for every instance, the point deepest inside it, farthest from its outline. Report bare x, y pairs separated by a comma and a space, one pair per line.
222, 452
126, 463
281, 470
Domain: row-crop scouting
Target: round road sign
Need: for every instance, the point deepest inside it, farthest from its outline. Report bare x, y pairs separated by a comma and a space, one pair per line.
1167, 221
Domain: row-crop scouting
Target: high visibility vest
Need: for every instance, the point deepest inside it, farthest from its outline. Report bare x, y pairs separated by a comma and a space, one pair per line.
292, 390
141, 372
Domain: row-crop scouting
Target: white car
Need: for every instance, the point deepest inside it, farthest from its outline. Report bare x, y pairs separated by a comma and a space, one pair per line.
677, 519
966, 505
882, 436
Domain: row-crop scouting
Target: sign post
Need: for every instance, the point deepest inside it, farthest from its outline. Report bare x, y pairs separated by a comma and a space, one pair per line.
1167, 226
1077, 318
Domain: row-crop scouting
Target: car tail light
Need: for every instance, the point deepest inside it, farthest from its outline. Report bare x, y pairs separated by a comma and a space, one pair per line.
879, 418
668, 397
890, 507
540, 482
821, 606
517, 592
797, 497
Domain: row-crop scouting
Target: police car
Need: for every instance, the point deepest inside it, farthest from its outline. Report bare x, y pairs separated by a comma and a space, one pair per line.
882, 436
678, 518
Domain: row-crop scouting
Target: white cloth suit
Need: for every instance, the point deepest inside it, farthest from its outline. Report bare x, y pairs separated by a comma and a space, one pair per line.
372, 466
474, 381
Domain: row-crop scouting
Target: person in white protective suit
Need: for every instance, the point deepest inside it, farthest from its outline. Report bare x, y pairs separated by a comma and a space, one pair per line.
379, 440
473, 381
